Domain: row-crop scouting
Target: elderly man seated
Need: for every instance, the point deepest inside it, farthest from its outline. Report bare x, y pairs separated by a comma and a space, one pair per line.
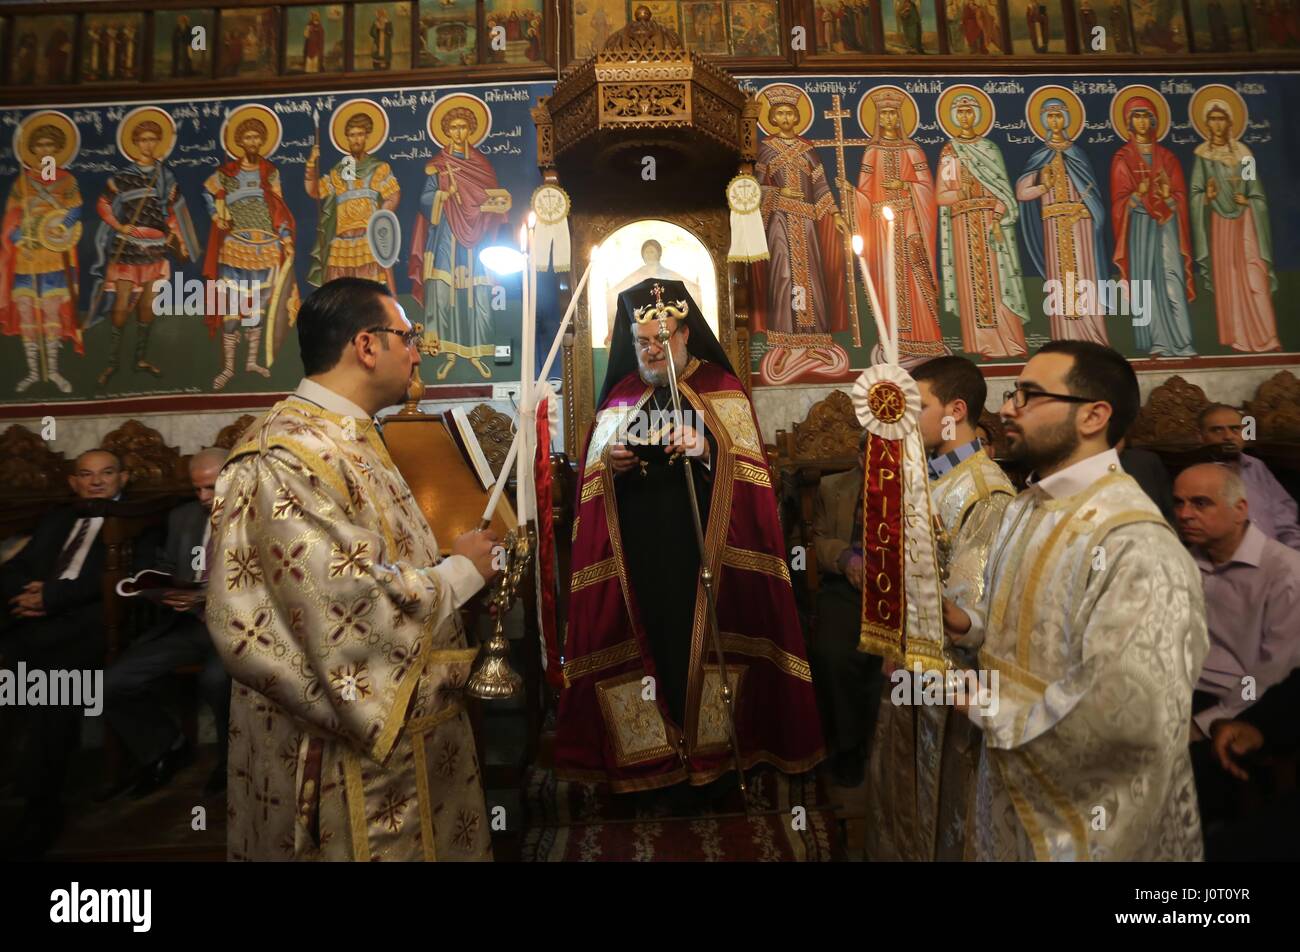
1272, 510
1252, 601
180, 638
52, 591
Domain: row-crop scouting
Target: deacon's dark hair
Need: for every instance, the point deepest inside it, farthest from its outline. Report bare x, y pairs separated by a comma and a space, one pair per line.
1102, 374
955, 378
1213, 408
335, 313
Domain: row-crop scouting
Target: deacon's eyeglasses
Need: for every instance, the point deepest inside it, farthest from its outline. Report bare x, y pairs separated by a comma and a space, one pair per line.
1021, 396
409, 338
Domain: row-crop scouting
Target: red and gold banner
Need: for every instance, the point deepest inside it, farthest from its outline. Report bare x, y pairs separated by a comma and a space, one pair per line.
883, 602
902, 589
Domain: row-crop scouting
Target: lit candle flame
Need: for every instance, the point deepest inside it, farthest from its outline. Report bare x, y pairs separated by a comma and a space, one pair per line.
887, 212
532, 220
857, 244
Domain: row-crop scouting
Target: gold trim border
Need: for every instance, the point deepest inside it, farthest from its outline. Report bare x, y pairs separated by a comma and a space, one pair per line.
786, 662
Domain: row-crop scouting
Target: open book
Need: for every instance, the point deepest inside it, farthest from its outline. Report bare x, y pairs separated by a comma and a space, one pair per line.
462, 431
156, 585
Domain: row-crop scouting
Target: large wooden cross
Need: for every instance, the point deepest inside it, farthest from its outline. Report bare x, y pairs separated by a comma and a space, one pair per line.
837, 114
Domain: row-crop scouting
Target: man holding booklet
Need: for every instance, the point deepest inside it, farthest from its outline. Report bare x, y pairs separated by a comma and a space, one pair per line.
152, 736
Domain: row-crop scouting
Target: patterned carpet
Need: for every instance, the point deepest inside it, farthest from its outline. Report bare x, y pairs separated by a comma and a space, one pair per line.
576, 822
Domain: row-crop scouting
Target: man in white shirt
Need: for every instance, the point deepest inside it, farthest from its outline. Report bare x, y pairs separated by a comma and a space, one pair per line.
1094, 622
53, 621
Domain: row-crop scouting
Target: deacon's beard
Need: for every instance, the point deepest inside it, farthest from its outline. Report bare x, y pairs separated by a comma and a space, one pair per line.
1049, 448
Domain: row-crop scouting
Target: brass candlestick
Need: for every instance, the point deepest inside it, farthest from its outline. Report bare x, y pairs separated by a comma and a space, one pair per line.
494, 679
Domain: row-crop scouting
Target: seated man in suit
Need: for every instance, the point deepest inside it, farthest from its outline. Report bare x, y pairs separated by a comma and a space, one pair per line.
180, 638
52, 591
847, 681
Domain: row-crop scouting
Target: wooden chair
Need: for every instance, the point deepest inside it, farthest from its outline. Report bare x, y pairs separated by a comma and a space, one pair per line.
825, 442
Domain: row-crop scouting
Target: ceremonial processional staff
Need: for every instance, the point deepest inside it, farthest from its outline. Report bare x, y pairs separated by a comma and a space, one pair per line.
661, 313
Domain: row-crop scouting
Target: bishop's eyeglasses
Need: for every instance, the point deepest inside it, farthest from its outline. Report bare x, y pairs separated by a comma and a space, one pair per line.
1021, 396
644, 344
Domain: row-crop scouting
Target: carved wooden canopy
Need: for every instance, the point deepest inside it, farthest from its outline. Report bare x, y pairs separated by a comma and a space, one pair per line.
643, 92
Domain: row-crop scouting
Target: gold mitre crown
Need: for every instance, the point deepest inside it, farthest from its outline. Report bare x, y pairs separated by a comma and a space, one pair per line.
782, 96
653, 312
887, 97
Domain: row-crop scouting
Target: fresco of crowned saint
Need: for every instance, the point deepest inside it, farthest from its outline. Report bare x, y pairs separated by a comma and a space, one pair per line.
895, 173
38, 249
1064, 215
1230, 229
462, 209
143, 220
356, 187
799, 294
252, 240
1148, 197
979, 257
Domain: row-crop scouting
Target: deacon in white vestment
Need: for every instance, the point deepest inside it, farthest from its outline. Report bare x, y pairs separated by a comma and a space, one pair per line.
1093, 617
924, 758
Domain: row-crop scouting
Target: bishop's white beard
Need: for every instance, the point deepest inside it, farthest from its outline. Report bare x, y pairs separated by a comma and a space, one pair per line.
659, 378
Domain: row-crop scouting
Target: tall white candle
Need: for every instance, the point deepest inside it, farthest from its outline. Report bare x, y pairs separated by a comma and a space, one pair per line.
513, 454
891, 288
568, 317
882, 332
522, 458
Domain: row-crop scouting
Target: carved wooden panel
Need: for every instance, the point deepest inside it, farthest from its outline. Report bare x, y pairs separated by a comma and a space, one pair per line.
1169, 415
230, 434
662, 102
545, 139
28, 464
495, 431
153, 464
1276, 408
830, 430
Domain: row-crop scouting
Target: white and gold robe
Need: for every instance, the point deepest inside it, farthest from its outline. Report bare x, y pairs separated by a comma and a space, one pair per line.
332, 613
1094, 619
923, 758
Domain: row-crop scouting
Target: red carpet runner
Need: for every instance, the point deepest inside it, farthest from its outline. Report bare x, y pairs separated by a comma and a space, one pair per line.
575, 822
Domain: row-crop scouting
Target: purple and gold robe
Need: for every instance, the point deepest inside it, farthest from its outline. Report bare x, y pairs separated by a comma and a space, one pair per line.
609, 730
